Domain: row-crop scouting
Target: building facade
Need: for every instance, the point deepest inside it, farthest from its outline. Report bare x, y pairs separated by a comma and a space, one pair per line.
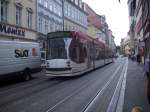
126, 46
146, 25
18, 20
132, 7
96, 32
139, 16
75, 16
95, 25
49, 19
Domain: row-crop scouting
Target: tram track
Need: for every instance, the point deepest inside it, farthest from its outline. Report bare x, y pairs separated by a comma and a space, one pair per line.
43, 88
26, 93
20, 84
81, 89
101, 91
26, 85
102, 99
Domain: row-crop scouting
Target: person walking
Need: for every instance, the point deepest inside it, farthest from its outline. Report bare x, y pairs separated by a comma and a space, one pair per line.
137, 109
147, 71
138, 58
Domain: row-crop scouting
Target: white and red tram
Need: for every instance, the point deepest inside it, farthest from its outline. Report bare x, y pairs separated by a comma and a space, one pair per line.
72, 53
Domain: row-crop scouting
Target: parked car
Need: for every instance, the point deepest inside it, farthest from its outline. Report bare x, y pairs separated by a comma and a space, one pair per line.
19, 58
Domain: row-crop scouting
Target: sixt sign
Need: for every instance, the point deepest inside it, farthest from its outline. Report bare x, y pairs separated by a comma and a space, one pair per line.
21, 53
11, 30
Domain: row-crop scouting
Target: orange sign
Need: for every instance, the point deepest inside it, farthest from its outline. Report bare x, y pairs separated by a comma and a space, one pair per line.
34, 52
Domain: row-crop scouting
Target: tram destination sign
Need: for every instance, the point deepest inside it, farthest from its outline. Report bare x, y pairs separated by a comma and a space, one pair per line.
60, 34
10, 30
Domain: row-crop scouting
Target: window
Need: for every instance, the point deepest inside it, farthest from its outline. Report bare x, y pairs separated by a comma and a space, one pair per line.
69, 11
76, 2
149, 5
72, 12
54, 8
51, 26
29, 19
80, 3
66, 10
77, 51
40, 24
55, 27
57, 48
3, 11
40, 1
50, 6
76, 17
45, 4
18, 15
46, 26
59, 12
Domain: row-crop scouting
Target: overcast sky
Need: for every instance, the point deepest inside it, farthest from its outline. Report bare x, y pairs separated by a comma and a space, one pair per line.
116, 15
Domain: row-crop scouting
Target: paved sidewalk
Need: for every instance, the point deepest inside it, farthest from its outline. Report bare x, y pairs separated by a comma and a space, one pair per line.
135, 93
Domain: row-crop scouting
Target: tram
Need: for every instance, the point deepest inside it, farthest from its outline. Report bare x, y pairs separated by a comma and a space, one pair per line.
71, 53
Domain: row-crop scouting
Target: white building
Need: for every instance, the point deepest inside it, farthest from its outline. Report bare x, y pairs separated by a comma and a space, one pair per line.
49, 19
75, 16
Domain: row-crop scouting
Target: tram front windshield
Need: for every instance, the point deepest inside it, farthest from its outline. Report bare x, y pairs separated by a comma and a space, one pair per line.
57, 48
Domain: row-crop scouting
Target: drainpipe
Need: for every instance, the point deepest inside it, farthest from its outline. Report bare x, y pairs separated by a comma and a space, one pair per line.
63, 17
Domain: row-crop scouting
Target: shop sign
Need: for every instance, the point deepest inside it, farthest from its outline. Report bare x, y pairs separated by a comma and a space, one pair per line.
21, 53
11, 30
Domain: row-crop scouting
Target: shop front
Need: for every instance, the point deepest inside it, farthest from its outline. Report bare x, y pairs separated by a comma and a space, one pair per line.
14, 33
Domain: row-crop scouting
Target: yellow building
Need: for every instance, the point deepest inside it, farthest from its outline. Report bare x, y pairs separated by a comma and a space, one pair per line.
92, 31
18, 20
96, 32
71, 26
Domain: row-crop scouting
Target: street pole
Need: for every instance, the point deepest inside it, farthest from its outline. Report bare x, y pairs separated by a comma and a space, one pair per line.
63, 17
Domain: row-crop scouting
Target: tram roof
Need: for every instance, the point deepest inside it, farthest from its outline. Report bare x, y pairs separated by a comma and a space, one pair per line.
79, 35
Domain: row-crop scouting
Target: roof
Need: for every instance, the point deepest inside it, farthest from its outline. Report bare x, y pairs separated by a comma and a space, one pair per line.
93, 18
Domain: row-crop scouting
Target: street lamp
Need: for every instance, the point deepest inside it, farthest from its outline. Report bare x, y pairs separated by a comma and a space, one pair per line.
63, 16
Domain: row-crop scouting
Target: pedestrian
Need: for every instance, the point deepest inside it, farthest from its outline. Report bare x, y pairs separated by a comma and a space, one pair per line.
138, 58
148, 77
137, 109
146, 66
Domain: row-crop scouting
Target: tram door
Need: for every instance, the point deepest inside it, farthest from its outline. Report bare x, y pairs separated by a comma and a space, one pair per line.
88, 56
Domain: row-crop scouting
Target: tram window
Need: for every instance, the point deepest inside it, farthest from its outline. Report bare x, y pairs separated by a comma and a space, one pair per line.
73, 54
43, 55
73, 50
85, 52
77, 52
56, 49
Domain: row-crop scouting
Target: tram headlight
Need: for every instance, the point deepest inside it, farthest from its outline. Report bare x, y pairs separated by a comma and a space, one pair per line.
47, 64
68, 63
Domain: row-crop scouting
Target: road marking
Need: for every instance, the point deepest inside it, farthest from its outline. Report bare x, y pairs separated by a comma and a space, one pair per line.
89, 106
60, 102
114, 100
51, 108
122, 93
